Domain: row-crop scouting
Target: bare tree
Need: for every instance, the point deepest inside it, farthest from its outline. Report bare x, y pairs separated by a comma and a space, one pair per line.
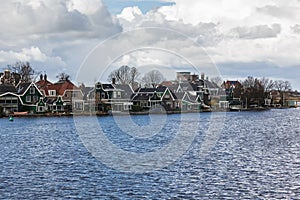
217, 80
24, 69
282, 87
134, 76
124, 75
63, 77
249, 82
153, 78
267, 85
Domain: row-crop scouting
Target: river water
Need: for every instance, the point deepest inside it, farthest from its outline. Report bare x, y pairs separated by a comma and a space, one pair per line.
256, 155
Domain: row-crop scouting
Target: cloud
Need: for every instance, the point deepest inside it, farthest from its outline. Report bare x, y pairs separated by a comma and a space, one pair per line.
285, 11
259, 31
61, 33
296, 28
32, 54
53, 33
87, 7
130, 13
205, 34
235, 32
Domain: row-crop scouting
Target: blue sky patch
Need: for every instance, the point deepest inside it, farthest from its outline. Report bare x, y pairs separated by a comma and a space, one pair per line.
116, 6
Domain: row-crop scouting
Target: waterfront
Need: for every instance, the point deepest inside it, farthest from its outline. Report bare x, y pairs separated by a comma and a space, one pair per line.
257, 155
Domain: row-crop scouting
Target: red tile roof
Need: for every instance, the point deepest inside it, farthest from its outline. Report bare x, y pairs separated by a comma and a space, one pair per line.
61, 86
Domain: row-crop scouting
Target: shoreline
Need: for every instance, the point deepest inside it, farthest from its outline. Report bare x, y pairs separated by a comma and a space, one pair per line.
141, 113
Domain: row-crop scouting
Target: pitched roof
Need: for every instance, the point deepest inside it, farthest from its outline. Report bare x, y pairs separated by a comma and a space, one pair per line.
61, 86
22, 87
127, 90
42, 84
86, 91
4, 88
141, 97
108, 86
179, 95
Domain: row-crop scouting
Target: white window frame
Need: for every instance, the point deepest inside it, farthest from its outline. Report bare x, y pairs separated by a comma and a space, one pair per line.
28, 98
52, 93
32, 90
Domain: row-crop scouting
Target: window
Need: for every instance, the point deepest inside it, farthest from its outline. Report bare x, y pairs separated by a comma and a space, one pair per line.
78, 106
32, 90
35, 98
41, 109
102, 95
52, 93
74, 94
114, 95
59, 108
28, 98
119, 94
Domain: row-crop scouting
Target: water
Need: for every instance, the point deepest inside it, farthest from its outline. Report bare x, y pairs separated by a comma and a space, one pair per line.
256, 156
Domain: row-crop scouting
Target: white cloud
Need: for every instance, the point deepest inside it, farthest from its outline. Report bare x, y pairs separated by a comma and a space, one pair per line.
88, 7
58, 31
32, 54
130, 13
248, 31
55, 34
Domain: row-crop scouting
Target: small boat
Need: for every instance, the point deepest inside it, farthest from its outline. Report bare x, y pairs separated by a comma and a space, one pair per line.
20, 113
235, 109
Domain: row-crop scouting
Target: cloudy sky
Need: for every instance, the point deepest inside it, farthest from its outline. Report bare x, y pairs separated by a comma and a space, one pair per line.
92, 37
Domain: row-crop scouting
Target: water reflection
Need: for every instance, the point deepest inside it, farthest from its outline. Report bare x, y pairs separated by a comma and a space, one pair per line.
256, 156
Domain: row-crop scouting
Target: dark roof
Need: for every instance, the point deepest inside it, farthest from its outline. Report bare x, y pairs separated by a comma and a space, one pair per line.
4, 88
141, 97
127, 90
188, 86
86, 91
179, 95
108, 86
22, 87
173, 87
152, 90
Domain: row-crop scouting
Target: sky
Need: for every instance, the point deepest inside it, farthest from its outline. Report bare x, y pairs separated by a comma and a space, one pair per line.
88, 39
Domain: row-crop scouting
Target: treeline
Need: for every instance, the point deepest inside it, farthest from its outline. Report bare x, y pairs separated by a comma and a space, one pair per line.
130, 75
255, 91
26, 72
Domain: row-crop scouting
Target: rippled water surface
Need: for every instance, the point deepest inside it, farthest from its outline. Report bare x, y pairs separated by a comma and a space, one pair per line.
255, 156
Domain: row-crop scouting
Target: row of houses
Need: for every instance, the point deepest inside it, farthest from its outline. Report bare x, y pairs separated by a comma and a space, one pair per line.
64, 96
236, 96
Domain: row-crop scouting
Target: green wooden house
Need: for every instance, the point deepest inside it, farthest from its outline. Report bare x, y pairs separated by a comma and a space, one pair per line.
30, 96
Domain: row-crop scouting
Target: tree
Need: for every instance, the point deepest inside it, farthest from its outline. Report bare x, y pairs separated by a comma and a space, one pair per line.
153, 78
134, 76
253, 91
63, 77
267, 84
217, 80
124, 75
282, 87
25, 70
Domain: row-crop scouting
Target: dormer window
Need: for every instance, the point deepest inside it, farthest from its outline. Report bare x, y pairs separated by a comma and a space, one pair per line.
52, 93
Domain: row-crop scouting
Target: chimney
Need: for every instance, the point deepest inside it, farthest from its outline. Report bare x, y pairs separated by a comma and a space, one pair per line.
45, 77
113, 81
41, 77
